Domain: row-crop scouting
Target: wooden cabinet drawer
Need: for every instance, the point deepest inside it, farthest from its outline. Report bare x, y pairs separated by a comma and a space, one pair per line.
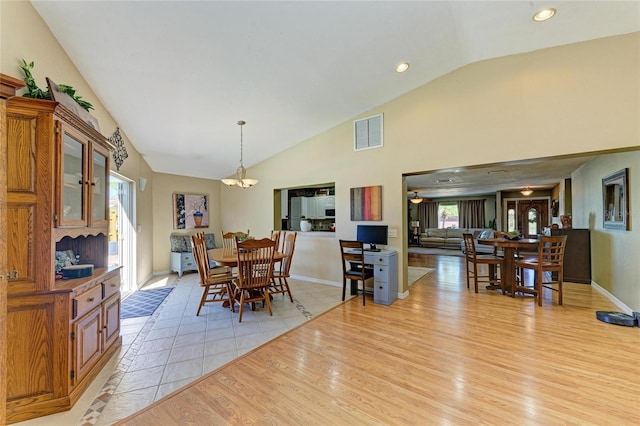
86, 301
110, 287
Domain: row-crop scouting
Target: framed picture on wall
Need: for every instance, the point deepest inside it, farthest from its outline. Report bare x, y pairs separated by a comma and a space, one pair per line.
615, 200
190, 211
366, 203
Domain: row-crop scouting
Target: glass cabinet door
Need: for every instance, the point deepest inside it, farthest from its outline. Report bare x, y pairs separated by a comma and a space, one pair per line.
99, 187
72, 210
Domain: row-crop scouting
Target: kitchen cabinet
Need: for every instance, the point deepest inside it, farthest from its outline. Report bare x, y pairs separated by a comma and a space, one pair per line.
310, 207
62, 332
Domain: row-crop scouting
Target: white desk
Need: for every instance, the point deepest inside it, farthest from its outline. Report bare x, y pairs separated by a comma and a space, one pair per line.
385, 275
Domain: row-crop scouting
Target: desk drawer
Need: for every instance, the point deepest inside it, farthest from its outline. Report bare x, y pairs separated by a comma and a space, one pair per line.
381, 273
111, 287
86, 301
374, 259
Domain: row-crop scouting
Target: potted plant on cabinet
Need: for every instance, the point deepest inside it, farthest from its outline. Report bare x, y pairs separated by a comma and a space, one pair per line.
305, 225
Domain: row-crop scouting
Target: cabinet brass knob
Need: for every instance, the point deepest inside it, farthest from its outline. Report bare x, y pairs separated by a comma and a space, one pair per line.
90, 299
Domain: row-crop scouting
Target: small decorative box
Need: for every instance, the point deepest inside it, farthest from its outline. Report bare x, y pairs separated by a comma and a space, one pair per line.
77, 271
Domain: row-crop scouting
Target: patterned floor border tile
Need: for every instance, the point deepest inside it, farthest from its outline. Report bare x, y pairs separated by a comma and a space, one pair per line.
90, 417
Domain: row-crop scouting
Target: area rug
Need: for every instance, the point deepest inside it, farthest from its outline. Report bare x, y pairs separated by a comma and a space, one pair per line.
143, 303
436, 251
415, 273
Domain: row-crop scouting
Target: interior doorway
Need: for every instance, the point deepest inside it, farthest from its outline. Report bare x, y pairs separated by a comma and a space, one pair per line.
122, 230
529, 217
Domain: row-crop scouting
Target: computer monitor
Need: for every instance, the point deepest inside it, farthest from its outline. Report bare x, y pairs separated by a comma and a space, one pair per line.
372, 235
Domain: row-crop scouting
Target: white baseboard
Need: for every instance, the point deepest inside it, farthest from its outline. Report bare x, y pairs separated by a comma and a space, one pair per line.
627, 310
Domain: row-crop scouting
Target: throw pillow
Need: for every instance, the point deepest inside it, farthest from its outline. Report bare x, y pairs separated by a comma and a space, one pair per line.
178, 243
210, 241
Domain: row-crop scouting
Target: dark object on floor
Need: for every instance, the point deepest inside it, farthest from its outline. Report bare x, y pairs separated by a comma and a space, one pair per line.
636, 315
143, 303
617, 318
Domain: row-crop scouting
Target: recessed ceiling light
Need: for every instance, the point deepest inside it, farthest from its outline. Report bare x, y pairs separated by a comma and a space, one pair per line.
544, 14
402, 67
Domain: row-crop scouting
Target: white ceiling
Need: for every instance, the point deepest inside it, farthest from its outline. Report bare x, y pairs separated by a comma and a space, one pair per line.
178, 75
537, 174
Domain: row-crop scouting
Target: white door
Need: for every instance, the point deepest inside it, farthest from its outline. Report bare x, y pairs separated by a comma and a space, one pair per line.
121, 230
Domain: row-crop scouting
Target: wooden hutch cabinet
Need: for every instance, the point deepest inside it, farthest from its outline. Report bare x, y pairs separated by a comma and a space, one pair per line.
60, 332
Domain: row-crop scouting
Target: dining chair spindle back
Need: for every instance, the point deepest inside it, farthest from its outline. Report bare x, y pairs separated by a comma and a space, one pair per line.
255, 268
216, 282
279, 283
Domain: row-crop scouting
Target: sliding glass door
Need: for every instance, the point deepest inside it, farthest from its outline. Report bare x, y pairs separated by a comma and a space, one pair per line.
122, 230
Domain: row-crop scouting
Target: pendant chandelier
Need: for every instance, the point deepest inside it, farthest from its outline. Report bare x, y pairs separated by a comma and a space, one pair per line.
415, 199
241, 173
526, 191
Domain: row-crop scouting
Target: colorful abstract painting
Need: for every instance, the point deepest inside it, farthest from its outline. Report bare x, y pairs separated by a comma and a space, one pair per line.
366, 203
190, 211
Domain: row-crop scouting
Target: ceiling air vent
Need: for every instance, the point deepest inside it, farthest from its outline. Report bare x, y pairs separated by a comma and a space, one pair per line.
367, 133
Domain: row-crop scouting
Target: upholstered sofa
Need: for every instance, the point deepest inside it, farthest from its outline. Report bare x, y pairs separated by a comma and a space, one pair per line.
447, 237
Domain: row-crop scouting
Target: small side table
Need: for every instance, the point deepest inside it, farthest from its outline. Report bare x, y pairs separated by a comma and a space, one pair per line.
414, 240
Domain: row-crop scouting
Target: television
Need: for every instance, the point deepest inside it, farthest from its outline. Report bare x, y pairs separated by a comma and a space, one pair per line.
372, 235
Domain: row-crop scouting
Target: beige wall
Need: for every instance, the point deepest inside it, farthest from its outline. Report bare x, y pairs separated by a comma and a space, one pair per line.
614, 253
572, 99
164, 186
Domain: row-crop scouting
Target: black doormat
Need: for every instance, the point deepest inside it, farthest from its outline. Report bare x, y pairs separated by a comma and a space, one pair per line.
143, 303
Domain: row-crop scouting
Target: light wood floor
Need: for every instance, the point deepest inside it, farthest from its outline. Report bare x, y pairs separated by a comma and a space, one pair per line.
444, 355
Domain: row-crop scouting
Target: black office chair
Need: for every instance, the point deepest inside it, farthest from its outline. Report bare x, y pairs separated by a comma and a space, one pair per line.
353, 266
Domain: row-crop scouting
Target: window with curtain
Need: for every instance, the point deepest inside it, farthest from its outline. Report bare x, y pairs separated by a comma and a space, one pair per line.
448, 215
471, 213
428, 215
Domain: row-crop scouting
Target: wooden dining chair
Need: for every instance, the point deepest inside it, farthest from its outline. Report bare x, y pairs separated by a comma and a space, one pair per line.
279, 283
550, 259
216, 282
353, 267
229, 238
473, 260
255, 268
278, 237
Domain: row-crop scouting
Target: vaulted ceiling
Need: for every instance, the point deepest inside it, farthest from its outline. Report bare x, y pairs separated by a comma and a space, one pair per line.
178, 75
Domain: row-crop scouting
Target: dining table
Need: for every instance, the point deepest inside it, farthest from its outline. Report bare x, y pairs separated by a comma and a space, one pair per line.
509, 246
229, 257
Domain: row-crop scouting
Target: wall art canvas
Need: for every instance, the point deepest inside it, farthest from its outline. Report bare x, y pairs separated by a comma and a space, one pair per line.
366, 203
190, 211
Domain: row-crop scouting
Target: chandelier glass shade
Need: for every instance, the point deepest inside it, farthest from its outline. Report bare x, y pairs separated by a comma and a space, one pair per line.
527, 191
415, 199
240, 178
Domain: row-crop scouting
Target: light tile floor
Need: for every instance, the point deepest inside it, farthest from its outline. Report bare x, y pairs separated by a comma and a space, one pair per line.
173, 347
